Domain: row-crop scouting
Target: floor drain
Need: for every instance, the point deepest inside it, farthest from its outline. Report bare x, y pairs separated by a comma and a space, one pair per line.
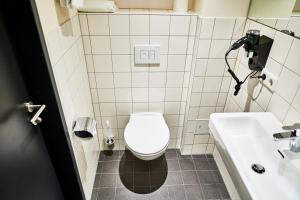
258, 168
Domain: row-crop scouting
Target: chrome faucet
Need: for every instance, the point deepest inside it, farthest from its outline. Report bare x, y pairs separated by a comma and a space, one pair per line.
293, 134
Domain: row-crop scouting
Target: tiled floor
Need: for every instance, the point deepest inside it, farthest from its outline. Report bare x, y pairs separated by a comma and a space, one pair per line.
121, 176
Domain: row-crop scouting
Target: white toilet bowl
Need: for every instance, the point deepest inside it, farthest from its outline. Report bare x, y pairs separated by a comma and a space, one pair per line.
147, 135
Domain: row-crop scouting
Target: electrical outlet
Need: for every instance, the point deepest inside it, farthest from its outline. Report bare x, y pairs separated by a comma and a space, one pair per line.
271, 80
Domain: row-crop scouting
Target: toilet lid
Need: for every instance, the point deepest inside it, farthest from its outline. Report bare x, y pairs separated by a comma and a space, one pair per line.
147, 133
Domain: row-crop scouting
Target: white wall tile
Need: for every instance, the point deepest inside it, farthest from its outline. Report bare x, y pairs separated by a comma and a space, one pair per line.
195, 99
179, 25
218, 48
87, 44
174, 79
212, 84
102, 63
296, 101
106, 95
119, 24
108, 109
203, 48
173, 94
124, 109
156, 107
172, 108
239, 28
159, 25
89, 63
200, 68
98, 24
293, 116
138, 40
156, 94
223, 28
140, 79
207, 27
163, 41
122, 80
157, 79
287, 85
84, 25
140, 107
209, 99
139, 24
100, 44
215, 67
178, 44
123, 94
278, 106
120, 45
176, 62
193, 25
140, 94
292, 61
281, 46
198, 83
121, 63
104, 80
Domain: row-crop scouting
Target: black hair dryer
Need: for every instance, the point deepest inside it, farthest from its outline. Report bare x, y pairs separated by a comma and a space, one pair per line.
257, 49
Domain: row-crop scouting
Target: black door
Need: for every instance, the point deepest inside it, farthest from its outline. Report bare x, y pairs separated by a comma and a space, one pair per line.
26, 171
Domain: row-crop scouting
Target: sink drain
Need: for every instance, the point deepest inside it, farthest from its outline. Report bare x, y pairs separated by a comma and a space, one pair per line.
258, 168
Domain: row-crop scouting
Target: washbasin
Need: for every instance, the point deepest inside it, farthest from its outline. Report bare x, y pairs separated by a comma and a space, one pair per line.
246, 139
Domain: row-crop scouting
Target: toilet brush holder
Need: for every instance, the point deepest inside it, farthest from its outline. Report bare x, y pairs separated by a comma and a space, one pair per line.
109, 142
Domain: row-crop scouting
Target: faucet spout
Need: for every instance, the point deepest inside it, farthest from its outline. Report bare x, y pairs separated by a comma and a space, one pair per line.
293, 134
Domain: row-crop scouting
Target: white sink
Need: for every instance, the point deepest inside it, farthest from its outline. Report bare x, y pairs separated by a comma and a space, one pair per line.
247, 138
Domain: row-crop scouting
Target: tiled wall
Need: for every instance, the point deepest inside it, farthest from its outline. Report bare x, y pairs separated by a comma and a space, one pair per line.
210, 81
120, 88
190, 83
284, 64
66, 53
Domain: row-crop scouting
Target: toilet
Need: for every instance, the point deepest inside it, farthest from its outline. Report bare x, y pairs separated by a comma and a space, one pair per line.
147, 135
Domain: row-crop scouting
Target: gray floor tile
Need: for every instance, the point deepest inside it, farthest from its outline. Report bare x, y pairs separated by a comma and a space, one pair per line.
160, 193
174, 178
173, 165
125, 180
222, 191
193, 192
201, 164
190, 178
94, 194
120, 175
111, 155
212, 164
108, 180
158, 178
171, 154
176, 192
141, 179
106, 194
126, 166
110, 167
99, 167
205, 177
210, 191
186, 164
141, 166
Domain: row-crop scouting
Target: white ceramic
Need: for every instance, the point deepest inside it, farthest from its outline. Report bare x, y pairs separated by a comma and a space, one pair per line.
147, 135
248, 139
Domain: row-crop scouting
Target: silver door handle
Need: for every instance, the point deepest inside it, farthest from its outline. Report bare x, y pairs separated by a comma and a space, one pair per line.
36, 119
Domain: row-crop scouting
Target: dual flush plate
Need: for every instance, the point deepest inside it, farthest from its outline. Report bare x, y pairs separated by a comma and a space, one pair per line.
146, 54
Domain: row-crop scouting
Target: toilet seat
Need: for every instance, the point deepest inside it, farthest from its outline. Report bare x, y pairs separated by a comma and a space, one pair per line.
147, 133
